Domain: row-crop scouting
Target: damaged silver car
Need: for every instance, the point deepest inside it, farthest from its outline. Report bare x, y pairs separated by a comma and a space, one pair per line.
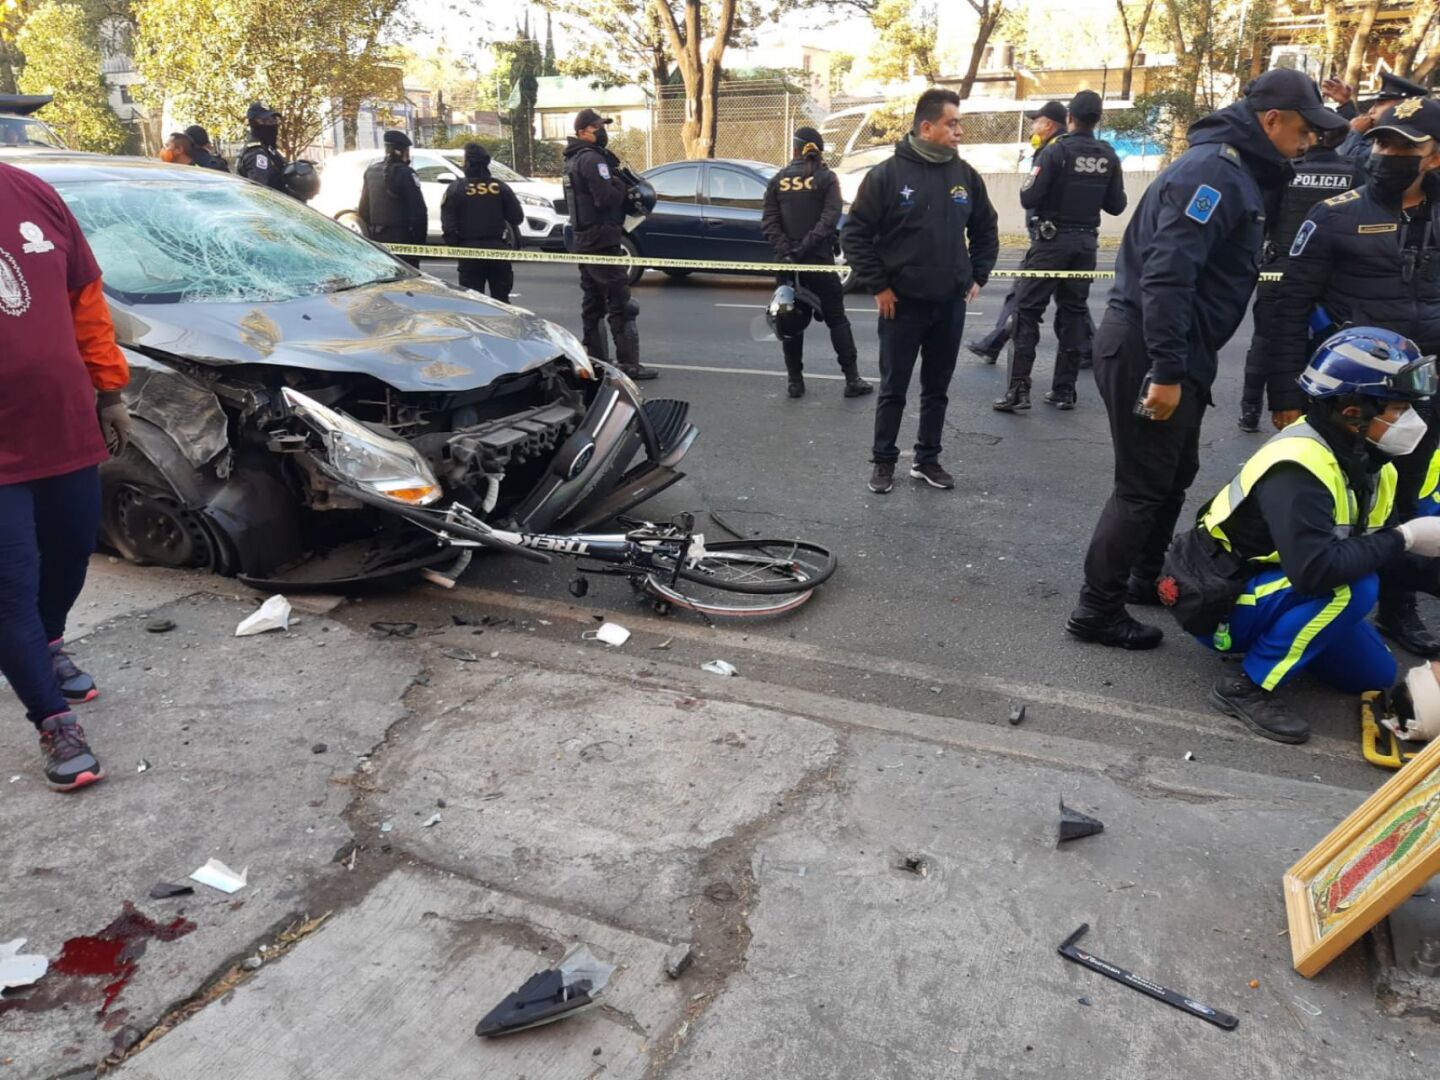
299, 395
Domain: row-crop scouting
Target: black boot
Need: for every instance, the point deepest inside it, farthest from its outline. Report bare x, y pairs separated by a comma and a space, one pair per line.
627, 352
1249, 418
844, 341
794, 366
1114, 628
1258, 709
596, 343
1398, 620
1016, 399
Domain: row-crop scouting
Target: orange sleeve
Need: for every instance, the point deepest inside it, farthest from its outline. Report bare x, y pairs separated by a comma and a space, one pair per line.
95, 334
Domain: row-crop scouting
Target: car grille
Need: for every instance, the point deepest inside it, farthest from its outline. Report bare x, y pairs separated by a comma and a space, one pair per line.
561, 208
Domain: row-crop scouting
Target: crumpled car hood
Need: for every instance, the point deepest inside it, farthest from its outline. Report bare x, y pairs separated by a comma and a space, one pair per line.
416, 334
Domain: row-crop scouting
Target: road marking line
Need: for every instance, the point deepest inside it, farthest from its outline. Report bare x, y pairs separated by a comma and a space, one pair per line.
737, 371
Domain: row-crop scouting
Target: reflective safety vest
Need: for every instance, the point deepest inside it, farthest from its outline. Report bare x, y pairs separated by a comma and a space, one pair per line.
1301, 444
1429, 500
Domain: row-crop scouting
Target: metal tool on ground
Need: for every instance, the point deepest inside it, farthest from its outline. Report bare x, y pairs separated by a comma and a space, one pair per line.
1074, 825
1144, 986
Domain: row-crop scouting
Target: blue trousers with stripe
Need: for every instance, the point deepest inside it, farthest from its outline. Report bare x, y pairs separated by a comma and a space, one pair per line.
1282, 631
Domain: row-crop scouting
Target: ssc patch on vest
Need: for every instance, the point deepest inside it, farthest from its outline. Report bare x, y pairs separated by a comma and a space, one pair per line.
604, 170
1029, 180
1202, 204
1302, 238
261, 161
958, 194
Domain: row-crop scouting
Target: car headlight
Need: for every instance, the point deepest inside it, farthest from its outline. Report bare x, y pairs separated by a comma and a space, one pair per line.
388, 467
574, 351
534, 200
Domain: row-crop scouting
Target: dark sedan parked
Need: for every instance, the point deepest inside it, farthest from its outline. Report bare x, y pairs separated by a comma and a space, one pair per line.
705, 210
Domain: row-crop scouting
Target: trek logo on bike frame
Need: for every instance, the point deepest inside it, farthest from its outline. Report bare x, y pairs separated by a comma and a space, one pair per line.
561, 544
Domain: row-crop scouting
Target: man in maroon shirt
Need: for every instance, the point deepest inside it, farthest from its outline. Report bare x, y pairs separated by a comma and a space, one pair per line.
62, 375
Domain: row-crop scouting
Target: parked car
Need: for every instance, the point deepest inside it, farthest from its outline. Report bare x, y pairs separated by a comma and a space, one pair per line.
304, 402
705, 210
18, 127
342, 176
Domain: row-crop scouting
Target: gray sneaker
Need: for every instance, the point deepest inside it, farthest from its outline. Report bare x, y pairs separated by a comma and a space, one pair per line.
69, 764
882, 477
932, 474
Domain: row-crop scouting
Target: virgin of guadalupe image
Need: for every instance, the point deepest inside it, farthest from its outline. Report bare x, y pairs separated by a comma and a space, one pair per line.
1343, 887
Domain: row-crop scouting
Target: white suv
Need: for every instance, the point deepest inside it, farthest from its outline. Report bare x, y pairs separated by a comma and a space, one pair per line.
342, 176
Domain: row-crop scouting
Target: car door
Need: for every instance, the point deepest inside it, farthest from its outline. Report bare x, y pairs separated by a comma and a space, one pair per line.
434, 174
733, 201
674, 229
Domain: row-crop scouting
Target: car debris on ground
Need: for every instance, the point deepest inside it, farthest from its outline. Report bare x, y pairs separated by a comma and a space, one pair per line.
571, 987
1074, 825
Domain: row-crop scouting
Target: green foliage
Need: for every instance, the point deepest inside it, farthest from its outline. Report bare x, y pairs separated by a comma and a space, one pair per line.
61, 58
907, 42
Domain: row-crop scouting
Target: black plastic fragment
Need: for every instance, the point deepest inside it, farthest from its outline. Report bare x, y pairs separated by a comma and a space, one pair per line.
1074, 825
542, 998
1017, 714
163, 890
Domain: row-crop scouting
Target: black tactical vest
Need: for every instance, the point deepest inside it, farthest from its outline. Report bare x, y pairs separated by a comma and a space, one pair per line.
1075, 198
1318, 175
801, 196
386, 210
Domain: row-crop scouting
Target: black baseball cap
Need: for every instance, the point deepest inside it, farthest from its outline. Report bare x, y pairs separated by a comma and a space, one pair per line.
587, 117
804, 135
1051, 110
1293, 91
1087, 106
261, 114
1416, 118
396, 140
198, 135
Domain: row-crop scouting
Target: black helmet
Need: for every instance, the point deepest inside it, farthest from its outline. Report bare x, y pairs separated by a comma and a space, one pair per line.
788, 313
640, 198
301, 180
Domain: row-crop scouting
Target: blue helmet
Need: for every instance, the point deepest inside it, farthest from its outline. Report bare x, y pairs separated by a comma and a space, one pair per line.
1372, 362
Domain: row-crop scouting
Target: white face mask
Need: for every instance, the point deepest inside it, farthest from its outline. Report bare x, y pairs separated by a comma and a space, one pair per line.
1401, 436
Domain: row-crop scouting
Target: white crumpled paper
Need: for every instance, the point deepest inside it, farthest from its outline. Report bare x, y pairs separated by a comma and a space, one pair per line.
219, 876
273, 614
18, 970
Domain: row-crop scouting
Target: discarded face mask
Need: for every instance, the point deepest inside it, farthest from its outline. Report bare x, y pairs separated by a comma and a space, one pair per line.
273, 614
719, 667
17, 969
610, 633
550, 995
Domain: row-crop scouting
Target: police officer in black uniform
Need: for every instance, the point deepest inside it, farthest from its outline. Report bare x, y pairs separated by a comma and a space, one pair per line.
1364, 115
1372, 256
801, 220
1320, 174
1183, 278
474, 213
1074, 178
596, 195
205, 155
260, 160
391, 203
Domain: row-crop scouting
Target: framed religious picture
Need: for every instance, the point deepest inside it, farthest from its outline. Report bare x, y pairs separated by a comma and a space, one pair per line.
1375, 860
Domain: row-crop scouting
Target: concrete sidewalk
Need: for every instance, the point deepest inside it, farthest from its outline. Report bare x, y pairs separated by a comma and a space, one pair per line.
621, 799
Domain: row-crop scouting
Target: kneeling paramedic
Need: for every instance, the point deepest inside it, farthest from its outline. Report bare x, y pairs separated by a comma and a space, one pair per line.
1285, 564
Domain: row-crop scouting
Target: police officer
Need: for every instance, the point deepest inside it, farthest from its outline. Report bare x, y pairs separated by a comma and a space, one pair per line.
801, 220
1074, 178
474, 213
1299, 536
1320, 174
1370, 256
259, 160
391, 204
1393, 90
205, 155
1183, 277
596, 196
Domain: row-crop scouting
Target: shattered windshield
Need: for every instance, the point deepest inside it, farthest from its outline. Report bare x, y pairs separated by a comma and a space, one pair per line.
170, 241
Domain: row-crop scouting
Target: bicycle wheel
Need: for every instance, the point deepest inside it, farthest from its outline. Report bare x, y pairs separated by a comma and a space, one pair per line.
747, 577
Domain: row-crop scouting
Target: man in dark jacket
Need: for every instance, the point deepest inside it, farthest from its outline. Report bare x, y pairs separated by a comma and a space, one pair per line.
1372, 256
800, 219
1186, 268
260, 161
596, 195
205, 155
391, 203
474, 213
1321, 174
923, 238
1075, 177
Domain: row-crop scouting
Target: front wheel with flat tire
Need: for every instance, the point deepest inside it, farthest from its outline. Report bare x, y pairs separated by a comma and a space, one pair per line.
147, 523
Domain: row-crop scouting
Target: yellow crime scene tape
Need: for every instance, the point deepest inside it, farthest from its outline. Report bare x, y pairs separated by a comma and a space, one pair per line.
442, 251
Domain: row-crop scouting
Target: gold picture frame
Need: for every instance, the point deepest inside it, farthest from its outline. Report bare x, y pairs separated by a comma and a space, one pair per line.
1371, 863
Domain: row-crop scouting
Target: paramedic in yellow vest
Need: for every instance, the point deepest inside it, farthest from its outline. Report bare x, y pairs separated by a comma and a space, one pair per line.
1308, 514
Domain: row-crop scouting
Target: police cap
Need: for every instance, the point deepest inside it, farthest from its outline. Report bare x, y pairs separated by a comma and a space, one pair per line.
198, 135
261, 114
1292, 91
1417, 119
396, 140
808, 136
589, 118
1086, 106
1051, 110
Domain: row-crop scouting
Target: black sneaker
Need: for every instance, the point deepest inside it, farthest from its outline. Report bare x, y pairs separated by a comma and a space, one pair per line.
639, 372
75, 684
1258, 709
982, 352
795, 388
1249, 420
1064, 400
69, 764
882, 477
932, 474
1398, 620
858, 388
1117, 629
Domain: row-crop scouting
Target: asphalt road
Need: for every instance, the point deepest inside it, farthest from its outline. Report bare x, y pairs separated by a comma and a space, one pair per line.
971, 586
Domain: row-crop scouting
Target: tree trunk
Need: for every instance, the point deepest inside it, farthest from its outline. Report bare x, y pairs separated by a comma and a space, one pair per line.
350, 122
1189, 86
1426, 68
702, 78
989, 12
1410, 40
1361, 41
7, 68
1134, 42
1332, 34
